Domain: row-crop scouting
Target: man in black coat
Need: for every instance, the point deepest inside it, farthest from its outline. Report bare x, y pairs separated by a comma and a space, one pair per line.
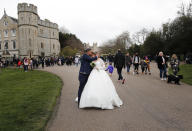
119, 63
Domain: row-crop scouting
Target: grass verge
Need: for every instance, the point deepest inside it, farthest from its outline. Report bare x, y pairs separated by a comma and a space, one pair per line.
27, 99
186, 71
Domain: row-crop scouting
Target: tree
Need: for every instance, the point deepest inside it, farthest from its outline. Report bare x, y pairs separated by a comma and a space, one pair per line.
68, 51
122, 42
140, 36
71, 40
174, 37
134, 49
153, 43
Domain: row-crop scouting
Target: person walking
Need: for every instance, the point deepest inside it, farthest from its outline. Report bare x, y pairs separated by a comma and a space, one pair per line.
26, 64
161, 63
42, 62
76, 61
30, 63
110, 58
174, 64
147, 61
110, 69
128, 62
136, 61
119, 63
143, 66
19, 64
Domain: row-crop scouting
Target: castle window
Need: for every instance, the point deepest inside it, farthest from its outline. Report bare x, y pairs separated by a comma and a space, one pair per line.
30, 43
6, 45
42, 45
5, 23
21, 18
14, 44
0, 45
13, 32
53, 33
53, 46
41, 31
5, 33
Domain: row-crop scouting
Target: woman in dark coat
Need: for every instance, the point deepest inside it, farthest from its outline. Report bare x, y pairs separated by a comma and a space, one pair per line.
162, 65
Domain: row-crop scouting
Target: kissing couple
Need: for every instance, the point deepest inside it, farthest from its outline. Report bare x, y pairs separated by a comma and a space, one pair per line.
96, 88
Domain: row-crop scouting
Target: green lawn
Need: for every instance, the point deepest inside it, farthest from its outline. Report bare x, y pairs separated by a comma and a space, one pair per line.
186, 71
27, 99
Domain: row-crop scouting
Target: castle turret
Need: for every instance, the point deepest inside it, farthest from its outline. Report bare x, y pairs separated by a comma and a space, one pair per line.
28, 29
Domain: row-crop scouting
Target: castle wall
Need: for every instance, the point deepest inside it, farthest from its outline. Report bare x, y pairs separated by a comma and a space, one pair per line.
28, 41
43, 34
11, 25
34, 37
48, 36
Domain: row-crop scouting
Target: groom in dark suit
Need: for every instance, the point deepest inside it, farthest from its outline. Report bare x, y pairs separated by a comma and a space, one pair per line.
85, 70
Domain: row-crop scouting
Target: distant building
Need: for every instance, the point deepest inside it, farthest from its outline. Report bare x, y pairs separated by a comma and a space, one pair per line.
28, 36
95, 47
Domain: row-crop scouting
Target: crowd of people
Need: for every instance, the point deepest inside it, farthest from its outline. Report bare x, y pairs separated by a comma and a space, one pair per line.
40, 62
126, 61
142, 64
119, 61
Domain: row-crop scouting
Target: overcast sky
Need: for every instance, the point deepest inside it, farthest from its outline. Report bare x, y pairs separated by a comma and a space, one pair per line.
100, 20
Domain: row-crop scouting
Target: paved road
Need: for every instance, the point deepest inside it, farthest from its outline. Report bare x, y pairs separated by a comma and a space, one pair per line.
149, 105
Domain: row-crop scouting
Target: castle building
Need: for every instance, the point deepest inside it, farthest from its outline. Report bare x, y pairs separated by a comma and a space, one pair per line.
94, 47
28, 36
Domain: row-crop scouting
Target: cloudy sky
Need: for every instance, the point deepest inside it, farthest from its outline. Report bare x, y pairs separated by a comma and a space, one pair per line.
100, 20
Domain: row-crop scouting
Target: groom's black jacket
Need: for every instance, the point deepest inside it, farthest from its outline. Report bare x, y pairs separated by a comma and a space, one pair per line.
86, 68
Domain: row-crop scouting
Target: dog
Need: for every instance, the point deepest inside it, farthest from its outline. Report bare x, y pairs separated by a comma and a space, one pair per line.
175, 78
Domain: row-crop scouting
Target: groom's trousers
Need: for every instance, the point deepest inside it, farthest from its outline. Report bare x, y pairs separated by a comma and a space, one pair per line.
82, 80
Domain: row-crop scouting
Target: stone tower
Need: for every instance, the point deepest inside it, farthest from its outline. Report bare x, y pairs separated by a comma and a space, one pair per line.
95, 48
28, 29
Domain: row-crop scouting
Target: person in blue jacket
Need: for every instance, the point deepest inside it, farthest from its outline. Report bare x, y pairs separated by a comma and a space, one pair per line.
85, 70
110, 68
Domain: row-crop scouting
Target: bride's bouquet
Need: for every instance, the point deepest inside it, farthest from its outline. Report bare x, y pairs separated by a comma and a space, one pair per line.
92, 64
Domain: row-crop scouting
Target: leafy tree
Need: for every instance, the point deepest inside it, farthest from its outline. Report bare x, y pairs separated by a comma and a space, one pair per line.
68, 51
68, 39
153, 43
122, 42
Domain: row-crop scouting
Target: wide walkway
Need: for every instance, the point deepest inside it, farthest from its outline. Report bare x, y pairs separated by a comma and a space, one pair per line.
149, 105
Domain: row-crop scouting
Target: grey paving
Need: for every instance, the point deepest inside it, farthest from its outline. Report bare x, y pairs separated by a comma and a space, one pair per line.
149, 105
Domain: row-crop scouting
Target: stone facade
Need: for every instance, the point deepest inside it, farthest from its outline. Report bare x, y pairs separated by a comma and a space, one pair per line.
94, 47
28, 36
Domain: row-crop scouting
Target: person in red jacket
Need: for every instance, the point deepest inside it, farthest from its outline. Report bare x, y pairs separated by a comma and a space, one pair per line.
19, 64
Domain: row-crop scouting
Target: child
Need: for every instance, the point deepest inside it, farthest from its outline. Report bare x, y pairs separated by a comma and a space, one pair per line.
147, 61
143, 66
110, 68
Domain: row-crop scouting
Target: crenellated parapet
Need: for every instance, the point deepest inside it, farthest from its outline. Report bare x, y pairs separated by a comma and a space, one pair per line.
25, 7
47, 23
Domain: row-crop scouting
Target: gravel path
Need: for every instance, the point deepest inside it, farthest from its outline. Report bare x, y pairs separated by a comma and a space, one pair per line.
149, 105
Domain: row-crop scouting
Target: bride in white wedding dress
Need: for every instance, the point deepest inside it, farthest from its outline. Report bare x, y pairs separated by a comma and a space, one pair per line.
99, 90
